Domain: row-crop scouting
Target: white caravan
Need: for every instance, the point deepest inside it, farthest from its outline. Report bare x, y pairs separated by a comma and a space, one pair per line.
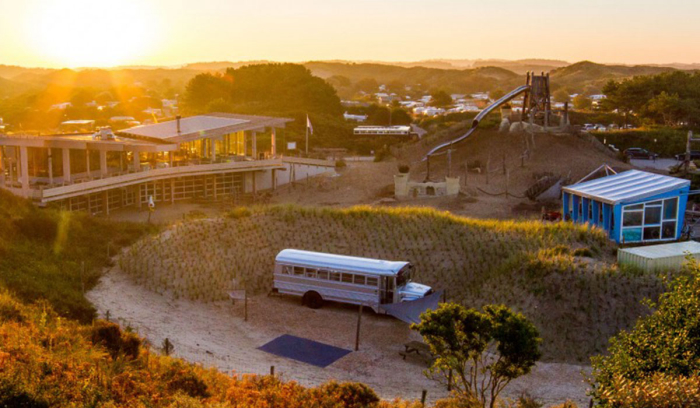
318, 277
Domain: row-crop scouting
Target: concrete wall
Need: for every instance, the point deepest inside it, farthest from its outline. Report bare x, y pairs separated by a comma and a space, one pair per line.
294, 171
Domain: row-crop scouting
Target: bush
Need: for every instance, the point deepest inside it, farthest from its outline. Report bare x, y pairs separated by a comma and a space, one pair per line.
348, 394
110, 336
38, 225
663, 344
340, 164
404, 169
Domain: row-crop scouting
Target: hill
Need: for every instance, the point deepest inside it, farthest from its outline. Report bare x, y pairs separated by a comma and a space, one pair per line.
46, 361
558, 275
581, 75
452, 80
46, 255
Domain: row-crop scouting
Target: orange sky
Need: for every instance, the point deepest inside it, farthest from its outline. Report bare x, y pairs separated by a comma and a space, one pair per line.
72, 33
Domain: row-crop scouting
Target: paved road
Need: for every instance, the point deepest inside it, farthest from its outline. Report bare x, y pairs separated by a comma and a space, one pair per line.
658, 164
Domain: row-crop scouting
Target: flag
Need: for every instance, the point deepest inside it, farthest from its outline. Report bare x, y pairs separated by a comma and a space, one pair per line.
308, 125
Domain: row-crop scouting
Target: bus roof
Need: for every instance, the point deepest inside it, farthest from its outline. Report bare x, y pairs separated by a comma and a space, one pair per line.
340, 262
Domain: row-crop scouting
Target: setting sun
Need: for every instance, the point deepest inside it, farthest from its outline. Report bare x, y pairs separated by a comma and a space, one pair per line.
93, 33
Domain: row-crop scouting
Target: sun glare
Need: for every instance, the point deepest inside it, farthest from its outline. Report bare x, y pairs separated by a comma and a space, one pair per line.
93, 33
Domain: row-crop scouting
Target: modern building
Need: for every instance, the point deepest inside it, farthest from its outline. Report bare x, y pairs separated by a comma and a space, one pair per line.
210, 155
633, 206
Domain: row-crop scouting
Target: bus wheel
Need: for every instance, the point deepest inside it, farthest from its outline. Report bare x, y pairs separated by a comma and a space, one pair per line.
313, 300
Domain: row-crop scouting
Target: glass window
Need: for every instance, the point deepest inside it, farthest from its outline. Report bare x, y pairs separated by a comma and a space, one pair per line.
287, 270
652, 215
653, 203
298, 270
651, 233
322, 274
347, 278
632, 218
359, 280
671, 209
335, 276
632, 234
310, 273
634, 207
371, 281
668, 230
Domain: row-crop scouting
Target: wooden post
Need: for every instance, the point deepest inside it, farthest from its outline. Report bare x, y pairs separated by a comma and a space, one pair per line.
424, 394
359, 323
272, 371
245, 304
507, 177
449, 381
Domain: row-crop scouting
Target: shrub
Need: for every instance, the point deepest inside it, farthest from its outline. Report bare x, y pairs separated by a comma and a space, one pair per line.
662, 344
404, 169
340, 164
239, 212
110, 336
37, 225
348, 394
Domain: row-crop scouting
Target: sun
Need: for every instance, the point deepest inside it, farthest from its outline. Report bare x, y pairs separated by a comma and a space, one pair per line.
93, 33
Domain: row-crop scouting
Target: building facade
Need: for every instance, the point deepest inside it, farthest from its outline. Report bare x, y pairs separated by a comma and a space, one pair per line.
200, 156
633, 206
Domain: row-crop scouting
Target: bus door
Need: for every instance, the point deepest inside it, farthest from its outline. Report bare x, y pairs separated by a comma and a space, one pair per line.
388, 286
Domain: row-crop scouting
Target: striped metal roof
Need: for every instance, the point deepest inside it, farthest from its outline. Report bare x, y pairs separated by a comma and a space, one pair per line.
631, 185
203, 126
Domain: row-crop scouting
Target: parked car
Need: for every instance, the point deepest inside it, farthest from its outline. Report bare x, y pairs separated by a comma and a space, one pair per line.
694, 155
639, 153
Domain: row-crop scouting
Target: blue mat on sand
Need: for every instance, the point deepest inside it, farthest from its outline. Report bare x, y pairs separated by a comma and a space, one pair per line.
304, 350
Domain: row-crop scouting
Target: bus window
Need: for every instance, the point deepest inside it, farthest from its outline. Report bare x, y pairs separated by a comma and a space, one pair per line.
347, 278
335, 276
298, 270
310, 273
322, 274
403, 277
371, 281
287, 270
359, 280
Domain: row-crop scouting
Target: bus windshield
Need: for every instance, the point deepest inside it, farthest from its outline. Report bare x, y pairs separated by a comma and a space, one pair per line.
404, 276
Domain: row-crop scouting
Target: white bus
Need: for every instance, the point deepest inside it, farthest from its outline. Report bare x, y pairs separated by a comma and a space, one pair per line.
383, 130
319, 277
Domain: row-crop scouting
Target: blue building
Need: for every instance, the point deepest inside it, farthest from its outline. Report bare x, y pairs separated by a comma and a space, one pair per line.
633, 206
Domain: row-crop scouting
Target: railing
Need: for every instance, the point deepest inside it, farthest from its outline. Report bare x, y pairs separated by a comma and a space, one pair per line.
93, 186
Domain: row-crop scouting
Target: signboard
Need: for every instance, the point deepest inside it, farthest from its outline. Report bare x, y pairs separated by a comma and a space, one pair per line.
291, 145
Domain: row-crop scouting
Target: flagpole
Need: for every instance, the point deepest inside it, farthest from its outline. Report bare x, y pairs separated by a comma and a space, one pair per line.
307, 134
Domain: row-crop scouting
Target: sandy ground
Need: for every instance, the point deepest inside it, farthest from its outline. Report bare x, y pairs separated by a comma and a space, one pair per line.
216, 335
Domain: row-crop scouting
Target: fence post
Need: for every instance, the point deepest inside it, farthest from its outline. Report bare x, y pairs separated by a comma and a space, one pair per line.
357, 334
422, 397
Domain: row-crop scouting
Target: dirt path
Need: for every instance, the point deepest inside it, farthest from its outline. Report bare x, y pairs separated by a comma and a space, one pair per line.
216, 335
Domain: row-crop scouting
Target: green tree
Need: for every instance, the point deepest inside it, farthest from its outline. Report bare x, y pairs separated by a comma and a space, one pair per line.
497, 94
368, 85
205, 88
561, 96
582, 102
441, 99
480, 352
665, 343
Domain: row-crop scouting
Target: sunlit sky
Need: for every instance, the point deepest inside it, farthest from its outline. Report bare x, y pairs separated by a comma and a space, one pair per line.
77, 33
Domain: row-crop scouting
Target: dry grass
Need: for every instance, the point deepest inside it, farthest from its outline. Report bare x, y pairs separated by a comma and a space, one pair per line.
577, 301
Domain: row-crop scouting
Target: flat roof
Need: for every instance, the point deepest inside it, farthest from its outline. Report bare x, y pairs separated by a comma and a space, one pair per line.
631, 185
83, 141
340, 262
78, 122
665, 250
202, 126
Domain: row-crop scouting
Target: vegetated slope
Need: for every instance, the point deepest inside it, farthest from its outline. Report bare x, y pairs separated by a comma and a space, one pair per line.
46, 361
55, 256
556, 274
452, 80
585, 73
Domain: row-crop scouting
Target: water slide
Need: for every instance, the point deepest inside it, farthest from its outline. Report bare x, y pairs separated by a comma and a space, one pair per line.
505, 99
